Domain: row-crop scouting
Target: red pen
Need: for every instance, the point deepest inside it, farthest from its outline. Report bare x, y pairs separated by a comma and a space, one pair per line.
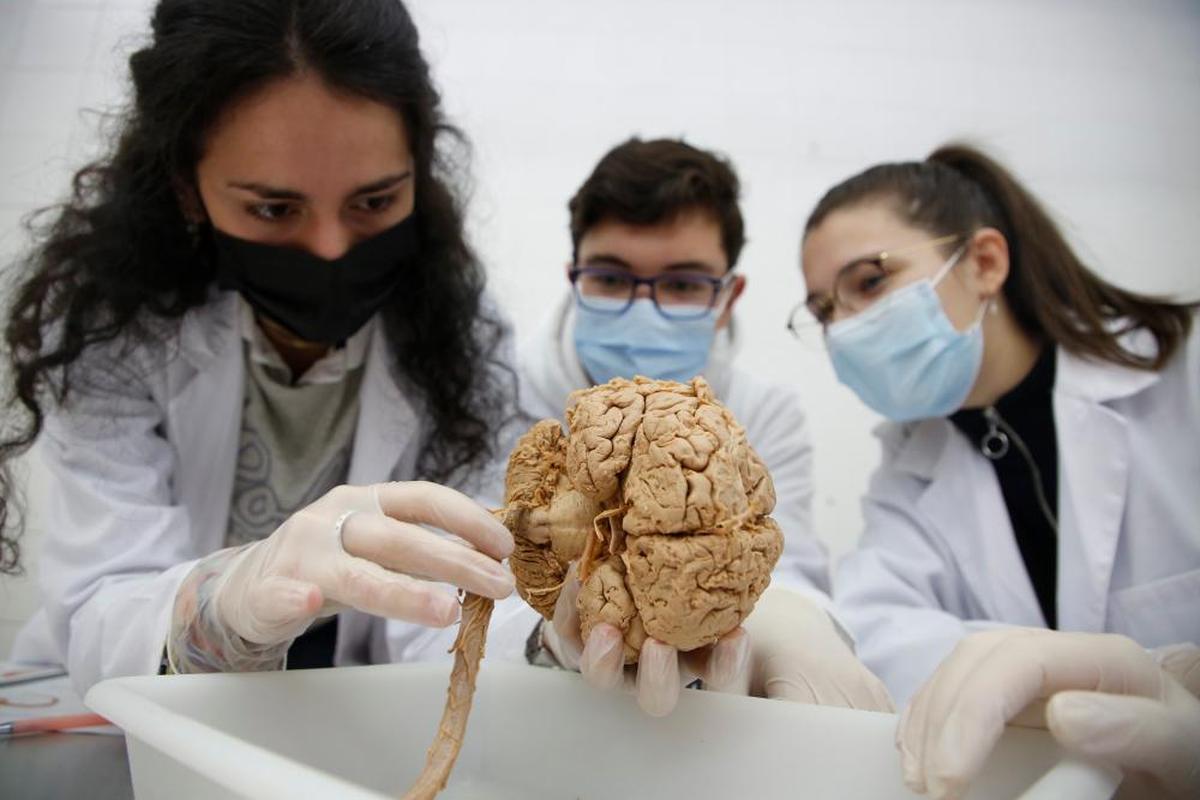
49, 724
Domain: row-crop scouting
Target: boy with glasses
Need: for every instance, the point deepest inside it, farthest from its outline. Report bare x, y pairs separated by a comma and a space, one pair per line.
656, 232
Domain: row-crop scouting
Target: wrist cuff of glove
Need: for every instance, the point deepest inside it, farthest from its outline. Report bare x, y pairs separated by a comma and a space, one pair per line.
198, 641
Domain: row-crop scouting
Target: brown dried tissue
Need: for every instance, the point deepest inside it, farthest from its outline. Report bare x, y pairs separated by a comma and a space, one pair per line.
658, 496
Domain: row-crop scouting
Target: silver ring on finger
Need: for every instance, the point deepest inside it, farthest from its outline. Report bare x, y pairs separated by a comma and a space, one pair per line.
340, 524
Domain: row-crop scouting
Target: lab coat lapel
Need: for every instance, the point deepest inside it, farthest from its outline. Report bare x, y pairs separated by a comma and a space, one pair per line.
387, 439
386, 444
964, 505
205, 415
1093, 459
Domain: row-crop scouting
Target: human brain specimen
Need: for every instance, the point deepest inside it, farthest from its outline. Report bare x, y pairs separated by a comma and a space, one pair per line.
657, 496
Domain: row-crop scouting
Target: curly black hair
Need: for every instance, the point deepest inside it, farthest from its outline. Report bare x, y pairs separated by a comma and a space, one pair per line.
117, 257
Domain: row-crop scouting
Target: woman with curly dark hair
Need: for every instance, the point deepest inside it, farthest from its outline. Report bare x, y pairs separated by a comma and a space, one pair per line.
243, 329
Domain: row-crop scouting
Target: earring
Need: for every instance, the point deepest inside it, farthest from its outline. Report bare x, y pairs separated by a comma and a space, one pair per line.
193, 232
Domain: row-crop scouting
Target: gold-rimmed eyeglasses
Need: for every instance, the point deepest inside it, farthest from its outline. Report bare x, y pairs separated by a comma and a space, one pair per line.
856, 286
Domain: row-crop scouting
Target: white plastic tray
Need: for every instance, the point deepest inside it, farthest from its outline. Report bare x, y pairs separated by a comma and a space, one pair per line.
362, 732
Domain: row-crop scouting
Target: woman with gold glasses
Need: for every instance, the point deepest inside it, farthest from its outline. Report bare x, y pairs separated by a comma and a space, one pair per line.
1039, 476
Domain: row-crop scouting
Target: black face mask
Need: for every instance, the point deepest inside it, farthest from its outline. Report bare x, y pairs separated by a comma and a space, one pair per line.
318, 300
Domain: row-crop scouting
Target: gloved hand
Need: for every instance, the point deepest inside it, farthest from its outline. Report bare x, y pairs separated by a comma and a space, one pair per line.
788, 649
1181, 662
1108, 700
798, 654
357, 547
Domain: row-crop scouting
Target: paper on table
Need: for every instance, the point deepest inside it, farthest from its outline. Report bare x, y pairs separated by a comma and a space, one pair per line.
53, 697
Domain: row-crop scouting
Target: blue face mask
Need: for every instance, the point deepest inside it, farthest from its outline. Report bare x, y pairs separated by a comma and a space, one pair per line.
903, 357
641, 341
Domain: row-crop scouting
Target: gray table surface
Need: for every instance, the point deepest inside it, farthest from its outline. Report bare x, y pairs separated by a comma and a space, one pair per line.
60, 766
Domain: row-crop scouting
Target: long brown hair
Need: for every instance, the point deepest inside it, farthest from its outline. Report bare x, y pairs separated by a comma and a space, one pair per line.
1052, 293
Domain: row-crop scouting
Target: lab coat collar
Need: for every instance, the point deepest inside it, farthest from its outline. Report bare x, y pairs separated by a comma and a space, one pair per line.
388, 430
1093, 476
207, 330
205, 413
965, 495
1093, 482
1097, 381
922, 445
1083, 379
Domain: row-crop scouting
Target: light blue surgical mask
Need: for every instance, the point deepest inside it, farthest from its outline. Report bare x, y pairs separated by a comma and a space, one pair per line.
641, 341
903, 357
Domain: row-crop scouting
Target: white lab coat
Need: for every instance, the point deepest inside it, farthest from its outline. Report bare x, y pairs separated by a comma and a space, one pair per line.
141, 464
938, 558
771, 413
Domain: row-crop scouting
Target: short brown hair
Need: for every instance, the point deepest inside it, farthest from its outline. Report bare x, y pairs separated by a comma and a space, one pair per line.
648, 182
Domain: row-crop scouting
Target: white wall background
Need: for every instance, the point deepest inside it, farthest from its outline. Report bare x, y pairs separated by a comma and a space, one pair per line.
1094, 103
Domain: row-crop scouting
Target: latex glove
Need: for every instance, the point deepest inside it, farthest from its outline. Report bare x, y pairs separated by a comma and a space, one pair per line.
798, 654
788, 649
658, 676
241, 608
1181, 662
1108, 700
